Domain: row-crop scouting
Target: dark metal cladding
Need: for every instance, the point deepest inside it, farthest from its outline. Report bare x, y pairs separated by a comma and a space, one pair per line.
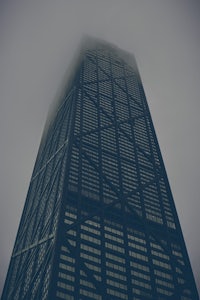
99, 220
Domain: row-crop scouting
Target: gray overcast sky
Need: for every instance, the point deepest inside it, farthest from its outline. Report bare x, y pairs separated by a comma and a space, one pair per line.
38, 39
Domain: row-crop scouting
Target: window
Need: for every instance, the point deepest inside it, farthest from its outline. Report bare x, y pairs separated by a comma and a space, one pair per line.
62, 295
66, 276
117, 294
66, 267
116, 284
90, 295
114, 247
141, 283
65, 286
90, 239
90, 257
90, 249
138, 256
116, 258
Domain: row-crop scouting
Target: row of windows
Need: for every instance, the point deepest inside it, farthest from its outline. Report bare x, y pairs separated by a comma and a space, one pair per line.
114, 247
116, 284
153, 204
153, 218
168, 212
90, 295
117, 70
105, 117
113, 224
147, 172
156, 246
163, 274
143, 143
176, 253
108, 194
90, 180
136, 205
138, 256
161, 264
88, 126
141, 292
136, 104
136, 246
151, 192
90, 257
140, 275
171, 225
66, 267
106, 88
129, 185
71, 215
115, 266
90, 249
87, 283
145, 178
67, 258
109, 147
122, 114
66, 276
89, 76
120, 97
90, 239
117, 294
164, 283
92, 153
170, 218
140, 128
115, 258
64, 249
166, 204
91, 139
104, 64
113, 237
116, 275
65, 296
69, 221
135, 232
164, 292
141, 283
153, 210
145, 163
89, 229
107, 139
140, 266
94, 268
65, 286
93, 223
126, 155
181, 262
90, 110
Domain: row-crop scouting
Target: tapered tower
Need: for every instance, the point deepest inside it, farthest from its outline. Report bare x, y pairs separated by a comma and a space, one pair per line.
99, 220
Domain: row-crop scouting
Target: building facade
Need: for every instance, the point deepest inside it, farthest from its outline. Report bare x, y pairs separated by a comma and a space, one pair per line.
99, 220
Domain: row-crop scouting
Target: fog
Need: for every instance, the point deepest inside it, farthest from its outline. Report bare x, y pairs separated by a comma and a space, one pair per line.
38, 40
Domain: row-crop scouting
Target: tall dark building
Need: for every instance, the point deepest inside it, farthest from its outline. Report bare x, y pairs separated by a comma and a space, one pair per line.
99, 220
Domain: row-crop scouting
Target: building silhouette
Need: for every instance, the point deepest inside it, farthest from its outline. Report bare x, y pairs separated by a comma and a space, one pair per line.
99, 220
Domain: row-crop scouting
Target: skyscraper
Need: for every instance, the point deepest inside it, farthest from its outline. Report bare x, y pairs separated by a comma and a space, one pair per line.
99, 220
